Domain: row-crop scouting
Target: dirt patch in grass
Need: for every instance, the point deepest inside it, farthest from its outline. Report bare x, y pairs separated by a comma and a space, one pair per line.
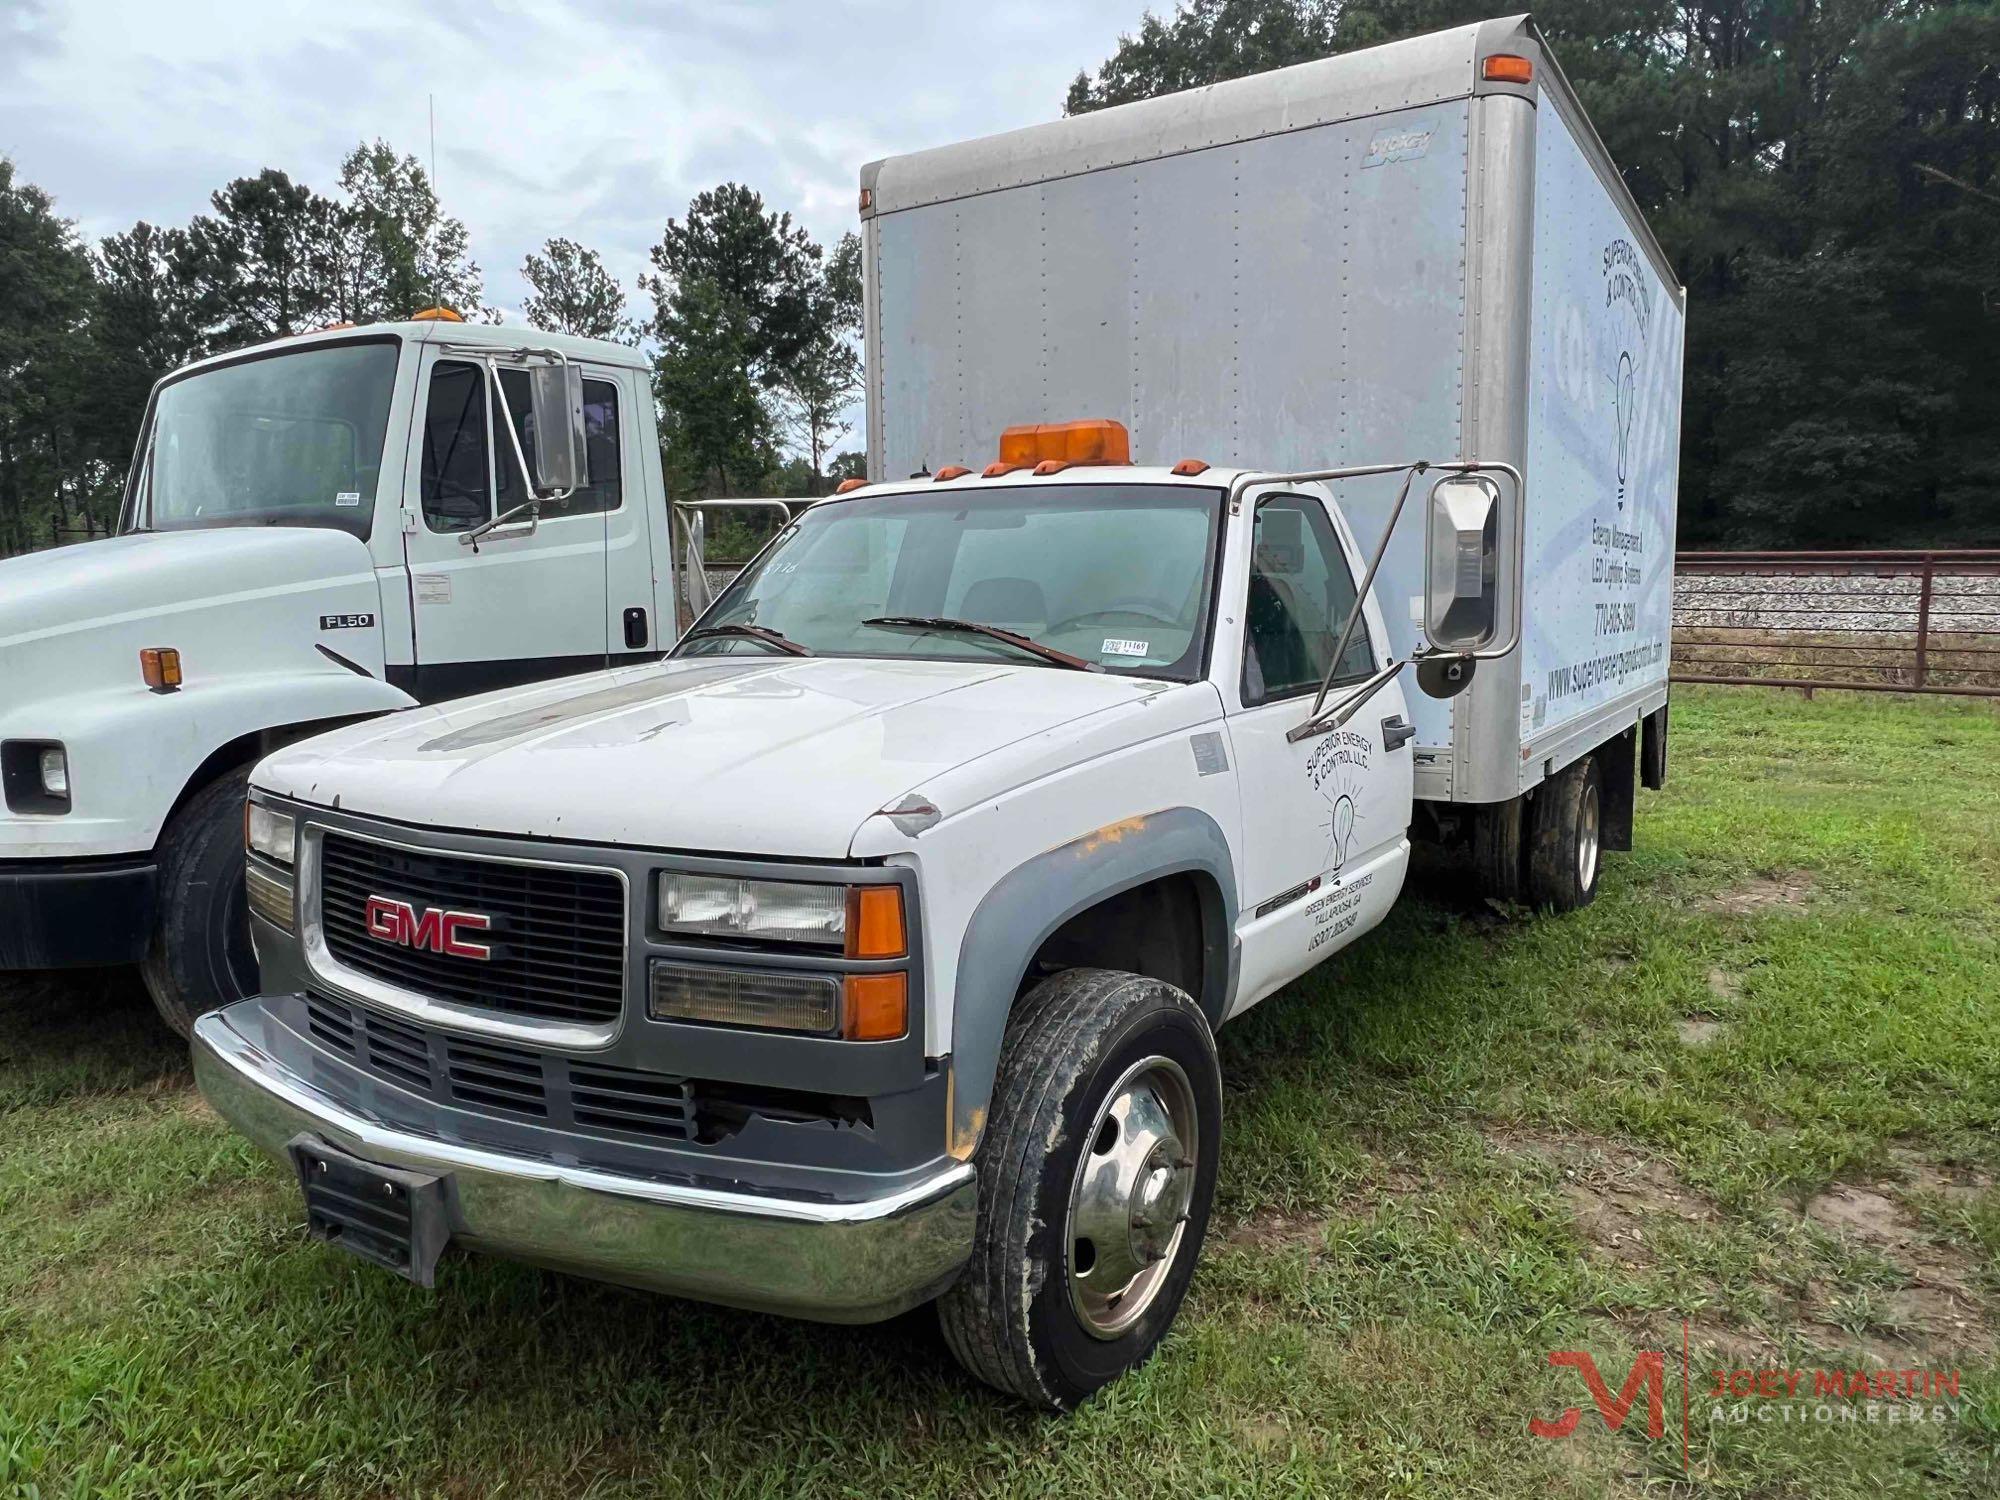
1950, 1181
1699, 1030
1788, 889
1617, 1193
1936, 1311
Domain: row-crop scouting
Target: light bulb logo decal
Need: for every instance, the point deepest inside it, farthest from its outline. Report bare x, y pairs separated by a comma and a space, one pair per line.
1341, 828
1624, 395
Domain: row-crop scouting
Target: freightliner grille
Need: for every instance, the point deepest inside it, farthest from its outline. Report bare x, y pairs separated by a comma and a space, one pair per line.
557, 936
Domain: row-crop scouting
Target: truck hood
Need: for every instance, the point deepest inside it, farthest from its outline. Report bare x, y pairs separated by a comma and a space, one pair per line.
728, 755
125, 579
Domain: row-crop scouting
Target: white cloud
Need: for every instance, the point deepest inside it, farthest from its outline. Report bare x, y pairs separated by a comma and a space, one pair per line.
593, 120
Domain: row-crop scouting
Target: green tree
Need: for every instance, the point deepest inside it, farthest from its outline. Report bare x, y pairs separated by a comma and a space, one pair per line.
392, 249
45, 298
571, 292
733, 298
821, 379
254, 263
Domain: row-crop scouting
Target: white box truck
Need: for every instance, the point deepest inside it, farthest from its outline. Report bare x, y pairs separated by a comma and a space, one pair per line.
1418, 251
870, 949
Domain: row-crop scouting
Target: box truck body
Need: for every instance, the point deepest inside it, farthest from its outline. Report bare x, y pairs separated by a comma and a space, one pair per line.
1387, 255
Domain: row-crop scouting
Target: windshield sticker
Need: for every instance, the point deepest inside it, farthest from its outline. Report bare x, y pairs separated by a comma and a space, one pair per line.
1116, 647
347, 497
346, 622
433, 588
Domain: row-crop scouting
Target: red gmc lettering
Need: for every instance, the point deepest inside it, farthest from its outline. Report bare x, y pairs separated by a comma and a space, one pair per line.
434, 929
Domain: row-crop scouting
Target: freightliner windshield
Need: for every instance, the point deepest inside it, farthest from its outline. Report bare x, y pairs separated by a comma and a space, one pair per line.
1117, 574
291, 439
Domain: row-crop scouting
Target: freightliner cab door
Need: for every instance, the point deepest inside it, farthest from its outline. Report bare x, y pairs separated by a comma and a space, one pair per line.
527, 602
1326, 819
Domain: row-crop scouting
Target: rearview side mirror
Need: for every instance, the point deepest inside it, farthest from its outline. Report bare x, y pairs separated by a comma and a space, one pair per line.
562, 457
1462, 563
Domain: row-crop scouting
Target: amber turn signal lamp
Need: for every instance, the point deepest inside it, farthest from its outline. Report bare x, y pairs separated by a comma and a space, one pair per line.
949, 472
875, 922
1097, 441
161, 667
436, 315
876, 1007
994, 471
1505, 67
849, 486
1187, 468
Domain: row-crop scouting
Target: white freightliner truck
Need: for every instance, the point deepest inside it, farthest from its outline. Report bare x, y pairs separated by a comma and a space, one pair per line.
870, 949
316, 530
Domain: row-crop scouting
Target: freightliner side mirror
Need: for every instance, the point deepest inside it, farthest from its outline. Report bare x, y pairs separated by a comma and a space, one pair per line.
1462, 563
562, 457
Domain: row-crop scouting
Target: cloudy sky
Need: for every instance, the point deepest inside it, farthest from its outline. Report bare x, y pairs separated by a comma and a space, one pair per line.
595, 120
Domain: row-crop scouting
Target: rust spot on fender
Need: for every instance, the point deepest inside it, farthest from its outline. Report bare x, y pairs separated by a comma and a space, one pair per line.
1110, 833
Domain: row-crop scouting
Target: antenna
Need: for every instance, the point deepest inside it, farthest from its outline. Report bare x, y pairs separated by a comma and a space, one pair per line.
431, 103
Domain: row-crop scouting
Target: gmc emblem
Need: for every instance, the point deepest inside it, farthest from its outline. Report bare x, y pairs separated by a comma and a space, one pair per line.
433, 929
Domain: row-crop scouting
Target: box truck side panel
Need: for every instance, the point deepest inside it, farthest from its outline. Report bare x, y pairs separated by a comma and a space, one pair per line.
1603, 456
1291, 301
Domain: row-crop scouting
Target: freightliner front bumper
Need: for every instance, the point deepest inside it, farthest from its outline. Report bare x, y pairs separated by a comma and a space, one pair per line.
809, 1257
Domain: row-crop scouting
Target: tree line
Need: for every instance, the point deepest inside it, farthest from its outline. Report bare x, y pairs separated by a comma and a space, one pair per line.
754, 324
1822, 174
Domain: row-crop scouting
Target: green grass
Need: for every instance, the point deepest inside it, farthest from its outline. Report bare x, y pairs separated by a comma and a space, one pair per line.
1438, 1148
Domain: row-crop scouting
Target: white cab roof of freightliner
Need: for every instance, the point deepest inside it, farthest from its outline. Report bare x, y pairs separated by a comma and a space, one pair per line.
484, 335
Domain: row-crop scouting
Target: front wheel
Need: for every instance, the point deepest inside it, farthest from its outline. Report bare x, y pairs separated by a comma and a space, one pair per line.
1096, 1176
200, 956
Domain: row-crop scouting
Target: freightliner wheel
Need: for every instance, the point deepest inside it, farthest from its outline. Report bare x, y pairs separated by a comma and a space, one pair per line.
200, 956
1096, 1174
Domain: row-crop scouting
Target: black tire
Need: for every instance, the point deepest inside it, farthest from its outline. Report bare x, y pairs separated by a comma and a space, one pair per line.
1498, 860
200, 956
1565, 847
1010, 1317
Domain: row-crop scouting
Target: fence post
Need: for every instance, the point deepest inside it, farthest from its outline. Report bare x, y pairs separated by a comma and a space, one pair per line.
1924, 620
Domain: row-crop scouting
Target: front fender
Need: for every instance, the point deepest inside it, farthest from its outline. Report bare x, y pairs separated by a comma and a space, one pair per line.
1028, 904
132, 751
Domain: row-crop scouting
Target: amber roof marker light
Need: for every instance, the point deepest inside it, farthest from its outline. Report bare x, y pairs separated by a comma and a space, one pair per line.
1506, 67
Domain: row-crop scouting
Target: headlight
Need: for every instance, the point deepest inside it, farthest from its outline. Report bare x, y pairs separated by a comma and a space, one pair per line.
271, 834
55, 771
863, 921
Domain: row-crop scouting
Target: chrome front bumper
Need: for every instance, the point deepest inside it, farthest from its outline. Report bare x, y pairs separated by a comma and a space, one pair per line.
838, 1262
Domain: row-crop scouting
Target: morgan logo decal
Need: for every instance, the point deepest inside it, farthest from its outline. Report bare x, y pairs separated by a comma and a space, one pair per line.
432, 930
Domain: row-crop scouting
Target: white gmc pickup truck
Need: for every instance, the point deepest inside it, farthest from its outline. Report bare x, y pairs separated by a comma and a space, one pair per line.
870, 949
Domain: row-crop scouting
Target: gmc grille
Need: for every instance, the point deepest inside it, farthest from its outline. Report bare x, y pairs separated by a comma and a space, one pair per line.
557, 936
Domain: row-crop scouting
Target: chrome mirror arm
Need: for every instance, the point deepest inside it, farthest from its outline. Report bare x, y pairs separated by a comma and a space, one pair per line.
1347, 708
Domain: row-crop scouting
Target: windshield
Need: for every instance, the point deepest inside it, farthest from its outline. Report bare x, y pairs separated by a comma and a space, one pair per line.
1117, 574
289, 440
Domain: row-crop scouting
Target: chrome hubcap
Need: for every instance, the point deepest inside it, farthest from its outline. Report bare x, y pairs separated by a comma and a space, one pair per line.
1586, 841
1128, 1207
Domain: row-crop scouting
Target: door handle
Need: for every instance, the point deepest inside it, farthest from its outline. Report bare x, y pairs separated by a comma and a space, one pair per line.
1397, 732
635, 628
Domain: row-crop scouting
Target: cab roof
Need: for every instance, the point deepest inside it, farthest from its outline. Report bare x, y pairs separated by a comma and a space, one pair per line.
483, 335
1207, 479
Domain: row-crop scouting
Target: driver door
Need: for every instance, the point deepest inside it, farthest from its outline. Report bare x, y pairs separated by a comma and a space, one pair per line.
1326, 819
524, 603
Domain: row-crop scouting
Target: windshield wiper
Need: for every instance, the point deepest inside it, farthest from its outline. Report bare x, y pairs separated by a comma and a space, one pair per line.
974, 627
759, 633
